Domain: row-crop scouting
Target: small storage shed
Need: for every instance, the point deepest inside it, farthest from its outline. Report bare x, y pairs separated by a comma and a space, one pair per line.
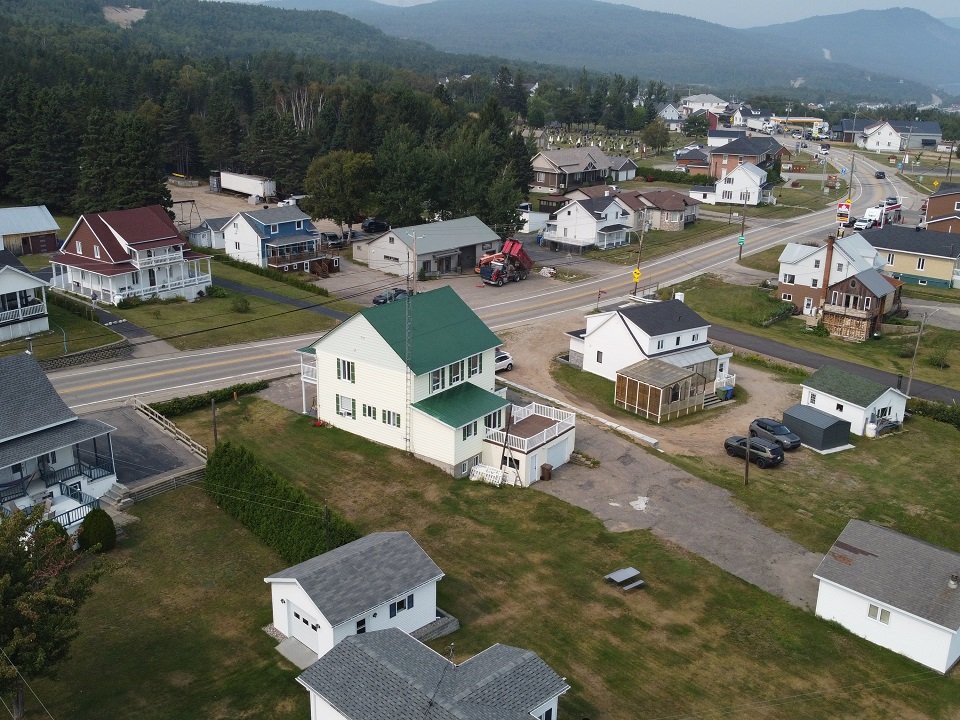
817, 429
658, 391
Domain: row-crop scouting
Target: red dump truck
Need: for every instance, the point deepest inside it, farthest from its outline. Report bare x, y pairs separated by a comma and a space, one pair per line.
511, 263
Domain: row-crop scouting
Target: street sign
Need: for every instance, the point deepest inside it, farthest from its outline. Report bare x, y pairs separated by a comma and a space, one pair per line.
936, 183
843, 171
740, 240
899, 166
637, 275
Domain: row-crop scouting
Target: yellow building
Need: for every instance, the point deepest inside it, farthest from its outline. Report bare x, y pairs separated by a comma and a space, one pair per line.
918, 257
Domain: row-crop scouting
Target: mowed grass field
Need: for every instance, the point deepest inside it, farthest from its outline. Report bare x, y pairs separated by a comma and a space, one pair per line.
661, 242
522, 568
81, 335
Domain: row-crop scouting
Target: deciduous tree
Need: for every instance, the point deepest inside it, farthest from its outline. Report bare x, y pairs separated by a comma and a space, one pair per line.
339, 184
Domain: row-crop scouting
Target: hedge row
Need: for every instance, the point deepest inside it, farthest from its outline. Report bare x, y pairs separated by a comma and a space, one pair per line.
271, 507
181, 406
268, 272
941, 412
675, 176
81, 309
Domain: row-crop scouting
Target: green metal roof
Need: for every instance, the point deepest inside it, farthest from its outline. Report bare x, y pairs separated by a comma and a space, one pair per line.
443, 329
308, 350
461, 404
856, 389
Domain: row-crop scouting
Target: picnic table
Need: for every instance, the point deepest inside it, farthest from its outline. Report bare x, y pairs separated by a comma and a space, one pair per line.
627, 578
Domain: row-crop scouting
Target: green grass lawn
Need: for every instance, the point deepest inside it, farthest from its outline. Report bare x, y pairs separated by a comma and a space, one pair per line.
36, 262
740, 307
662, 242
767, 260
919, 292
173, 629
81, 335
238, 275
791, 202
211, 322
896, 480
522, 568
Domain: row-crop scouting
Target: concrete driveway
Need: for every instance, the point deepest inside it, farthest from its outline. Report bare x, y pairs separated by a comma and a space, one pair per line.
940, 314
632, 489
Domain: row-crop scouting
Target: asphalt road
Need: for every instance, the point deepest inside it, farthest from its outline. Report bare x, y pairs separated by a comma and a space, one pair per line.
182, 373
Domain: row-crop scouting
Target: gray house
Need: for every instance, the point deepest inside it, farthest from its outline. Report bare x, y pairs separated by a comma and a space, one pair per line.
390, 675
448, 247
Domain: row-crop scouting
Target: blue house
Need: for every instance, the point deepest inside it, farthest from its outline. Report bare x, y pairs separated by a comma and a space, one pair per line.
282, 237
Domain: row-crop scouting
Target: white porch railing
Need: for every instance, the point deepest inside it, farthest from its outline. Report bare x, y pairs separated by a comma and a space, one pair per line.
155, 289
563, 421
308, 373
144, 261
725, 381
24, 313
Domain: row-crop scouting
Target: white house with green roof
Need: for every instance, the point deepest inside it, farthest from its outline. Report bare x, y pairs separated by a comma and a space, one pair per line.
854, 398
433, 393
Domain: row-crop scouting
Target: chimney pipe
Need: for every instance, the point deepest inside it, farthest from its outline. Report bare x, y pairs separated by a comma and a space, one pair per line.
825, 281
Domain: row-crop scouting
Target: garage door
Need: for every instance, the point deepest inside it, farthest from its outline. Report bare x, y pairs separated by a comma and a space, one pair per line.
303, 627
557, 455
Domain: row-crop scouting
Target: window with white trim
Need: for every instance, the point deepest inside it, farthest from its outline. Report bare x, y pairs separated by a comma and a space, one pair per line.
677, 343
921, 282
494, 420
79, 248
369, 411
546, 714
361, 626
438, 380
834, 297
274, 229
541, 177
390, 258
659, 344
921, 262
866, 302
813, 398
237, 244
456, 372
889, 258
816, 264
786, 296
345, 370
474, 365
96, 251
696, 336
727, 195
469, 430
875, 612
789, 279
299, 224
840, 267
728, 180
839, 407
391, 418
814, 282
346, 407
599, 357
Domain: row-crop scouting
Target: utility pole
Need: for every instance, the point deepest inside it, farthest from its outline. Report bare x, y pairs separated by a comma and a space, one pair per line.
906, 151
743, 224
213, 413
636, 272
746, 461
913, 362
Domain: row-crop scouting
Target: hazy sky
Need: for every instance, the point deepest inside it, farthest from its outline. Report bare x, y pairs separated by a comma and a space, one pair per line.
748, 13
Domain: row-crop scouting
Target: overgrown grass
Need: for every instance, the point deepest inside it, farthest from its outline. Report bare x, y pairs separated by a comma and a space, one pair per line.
213, 321
737, 307
173, 631
525, 568
81, 335
662, 242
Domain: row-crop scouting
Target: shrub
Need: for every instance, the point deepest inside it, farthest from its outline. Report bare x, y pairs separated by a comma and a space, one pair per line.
820, 330
277, 275
675, 176
240, 304
215, 291
97, 532
271, 507
938, 355
182, 406
52, 527
941, 412
80, 309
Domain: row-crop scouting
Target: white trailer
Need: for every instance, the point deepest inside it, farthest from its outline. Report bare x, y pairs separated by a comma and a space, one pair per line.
252, 185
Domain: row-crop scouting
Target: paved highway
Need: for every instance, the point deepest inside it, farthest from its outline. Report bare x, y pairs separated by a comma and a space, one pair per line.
97, 387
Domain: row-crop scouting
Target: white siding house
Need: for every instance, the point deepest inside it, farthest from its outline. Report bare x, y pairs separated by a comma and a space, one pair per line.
383, 580
601, 222
853, 398
209, 233
897, 135
895, 591
746, 184
23, 300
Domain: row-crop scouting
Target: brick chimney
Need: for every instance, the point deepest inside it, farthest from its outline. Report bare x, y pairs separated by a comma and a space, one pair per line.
827, 264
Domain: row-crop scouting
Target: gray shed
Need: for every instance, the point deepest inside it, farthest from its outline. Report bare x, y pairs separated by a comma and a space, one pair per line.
816, 428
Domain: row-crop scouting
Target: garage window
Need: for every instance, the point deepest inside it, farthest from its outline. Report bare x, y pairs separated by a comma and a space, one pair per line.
361, 626
879, 614
599, 357
813, 398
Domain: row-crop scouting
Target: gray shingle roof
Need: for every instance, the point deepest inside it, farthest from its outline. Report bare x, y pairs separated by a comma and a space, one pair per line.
748, 146
660, 318
358, 576
28, 402
20, 220
921, 127
856, 389
921, 242
896, 570
8, 259
947, 189
273, 216
27, 447
446, 235
577, 159
217, 223
388, 675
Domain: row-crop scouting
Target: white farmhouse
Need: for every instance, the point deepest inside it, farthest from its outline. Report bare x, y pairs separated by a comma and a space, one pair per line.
388, 674
601, 222
853, 398
893, 590
746, 184
448, 247
670, 115
431, 392
383, 580
23, 300
897, 135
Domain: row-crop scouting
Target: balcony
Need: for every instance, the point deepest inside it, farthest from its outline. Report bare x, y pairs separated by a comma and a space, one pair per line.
533, 425
23, 313
293, 258
95, 471
146, 261
848, 312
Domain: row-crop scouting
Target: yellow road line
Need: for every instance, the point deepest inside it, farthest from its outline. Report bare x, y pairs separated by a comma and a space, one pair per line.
174, 371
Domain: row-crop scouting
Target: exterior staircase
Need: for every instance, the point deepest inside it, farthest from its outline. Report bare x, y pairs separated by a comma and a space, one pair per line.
710, 399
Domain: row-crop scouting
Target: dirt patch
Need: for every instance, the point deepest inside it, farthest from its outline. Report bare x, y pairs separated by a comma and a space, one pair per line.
125, 17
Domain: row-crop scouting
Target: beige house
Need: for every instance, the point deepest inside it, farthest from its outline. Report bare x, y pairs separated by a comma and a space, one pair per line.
918, 257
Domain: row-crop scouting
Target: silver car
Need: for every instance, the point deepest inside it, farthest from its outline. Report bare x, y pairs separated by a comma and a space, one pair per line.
775, 432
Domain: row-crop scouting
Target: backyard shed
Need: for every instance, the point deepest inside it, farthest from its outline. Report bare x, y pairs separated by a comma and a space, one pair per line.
658, 391
817, 429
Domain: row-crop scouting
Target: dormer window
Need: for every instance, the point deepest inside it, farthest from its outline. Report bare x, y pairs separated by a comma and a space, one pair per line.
299, 224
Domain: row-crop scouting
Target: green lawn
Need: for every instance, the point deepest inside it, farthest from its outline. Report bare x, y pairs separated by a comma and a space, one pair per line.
173, 630
238, 275
897, 481
35, 262
791, 202
741, 307
522, 568
767, 260
662, 242
211, 322
951, 295
81, 335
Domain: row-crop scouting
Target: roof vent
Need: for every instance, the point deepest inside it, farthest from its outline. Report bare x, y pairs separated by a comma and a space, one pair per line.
954, 581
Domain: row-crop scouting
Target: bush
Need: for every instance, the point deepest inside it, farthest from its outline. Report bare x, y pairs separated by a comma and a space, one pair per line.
271, 507
941, 412
97, 532
820, 330
215, 291
52, 527
240, 304
268, 273
182, 406
135, 302
675, 176
75, 307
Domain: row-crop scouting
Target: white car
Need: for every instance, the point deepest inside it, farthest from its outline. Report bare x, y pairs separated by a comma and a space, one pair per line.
503, 361
863, 224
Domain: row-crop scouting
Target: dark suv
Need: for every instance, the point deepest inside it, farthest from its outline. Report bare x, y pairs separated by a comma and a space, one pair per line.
764, 453
374, 225
776, 432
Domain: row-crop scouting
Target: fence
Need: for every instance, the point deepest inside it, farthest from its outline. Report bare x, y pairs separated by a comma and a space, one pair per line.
165, 483
171, 428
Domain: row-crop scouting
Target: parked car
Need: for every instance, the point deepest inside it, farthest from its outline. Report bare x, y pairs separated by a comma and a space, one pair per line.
892, 201
388, 296
331, 240
849, 222
879, 174
680, 168
374, 225
777, 432
863, 224
503, 361
765, 453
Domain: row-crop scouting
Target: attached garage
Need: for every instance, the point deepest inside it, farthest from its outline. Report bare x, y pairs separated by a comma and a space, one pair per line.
817, 430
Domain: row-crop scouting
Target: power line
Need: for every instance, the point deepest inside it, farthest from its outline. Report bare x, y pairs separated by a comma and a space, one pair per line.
32, 691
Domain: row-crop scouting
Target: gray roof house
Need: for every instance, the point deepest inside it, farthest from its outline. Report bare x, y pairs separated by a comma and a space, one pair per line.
382, 580
448, 247
209, 233
854, 398
894, 590
26, 230
388, 675
48, 455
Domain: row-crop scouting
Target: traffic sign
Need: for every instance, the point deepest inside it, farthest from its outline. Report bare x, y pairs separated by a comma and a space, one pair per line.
843, 171
936, 183
637, 275
740, 240
899, 166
